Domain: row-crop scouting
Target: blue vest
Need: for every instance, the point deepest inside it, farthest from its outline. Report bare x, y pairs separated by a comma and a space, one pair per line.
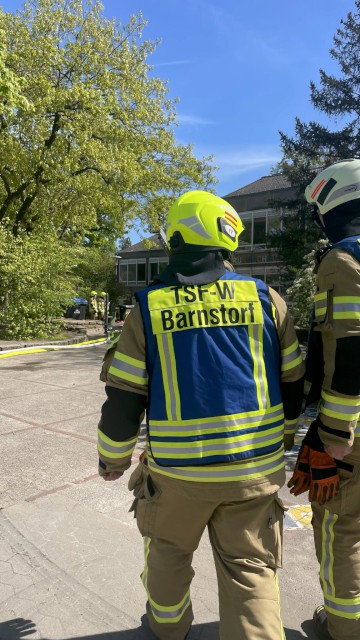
213, 359
351, 245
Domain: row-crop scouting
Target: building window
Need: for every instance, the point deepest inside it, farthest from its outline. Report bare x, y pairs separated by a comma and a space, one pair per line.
157, 265
132, 271
259, 232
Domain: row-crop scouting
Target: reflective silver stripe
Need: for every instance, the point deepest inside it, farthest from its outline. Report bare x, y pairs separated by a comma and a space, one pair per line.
177, 448
346, 306
349, 609
291, 357
257, 332
220, 473
172, 613
168, 379
339, 408
194, 224
119, 364
159, 426
325, 569
167, 614
113, 447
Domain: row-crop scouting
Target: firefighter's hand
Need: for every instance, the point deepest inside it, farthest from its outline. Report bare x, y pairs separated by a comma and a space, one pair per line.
112, 475
337, 451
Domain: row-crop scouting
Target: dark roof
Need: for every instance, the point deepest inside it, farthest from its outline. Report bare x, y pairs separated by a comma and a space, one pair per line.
140, 246
267, 183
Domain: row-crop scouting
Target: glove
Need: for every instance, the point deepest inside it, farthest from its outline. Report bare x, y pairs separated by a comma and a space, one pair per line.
315, 469
301, 478
325, 481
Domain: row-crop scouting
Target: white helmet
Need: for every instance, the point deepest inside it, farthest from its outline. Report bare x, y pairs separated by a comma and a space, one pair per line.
336, 185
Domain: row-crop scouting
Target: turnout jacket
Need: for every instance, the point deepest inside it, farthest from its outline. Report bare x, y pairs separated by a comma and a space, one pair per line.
218, 369
333, 359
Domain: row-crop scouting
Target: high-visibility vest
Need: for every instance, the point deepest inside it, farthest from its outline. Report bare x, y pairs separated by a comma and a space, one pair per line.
213, 360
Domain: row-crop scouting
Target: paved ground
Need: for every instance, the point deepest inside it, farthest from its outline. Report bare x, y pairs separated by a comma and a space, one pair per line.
70, 553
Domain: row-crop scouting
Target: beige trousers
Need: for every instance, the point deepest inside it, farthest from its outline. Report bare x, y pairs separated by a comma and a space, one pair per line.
246, 539
337, 542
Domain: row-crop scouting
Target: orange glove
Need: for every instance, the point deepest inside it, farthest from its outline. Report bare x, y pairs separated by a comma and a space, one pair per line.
325, 481
315, 469
300, 480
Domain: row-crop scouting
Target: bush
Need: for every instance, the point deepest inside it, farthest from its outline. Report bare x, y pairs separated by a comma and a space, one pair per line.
36, 284
301, 292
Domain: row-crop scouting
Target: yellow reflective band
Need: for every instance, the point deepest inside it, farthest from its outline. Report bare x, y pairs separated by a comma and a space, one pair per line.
162, 614
222, 303
112, 449
128, 368
291, 356
293, 347
346, 409
276, 581
169, 376
256, 349
351, 402
233, 472
217, 424
327, 554
290, 426
322, 295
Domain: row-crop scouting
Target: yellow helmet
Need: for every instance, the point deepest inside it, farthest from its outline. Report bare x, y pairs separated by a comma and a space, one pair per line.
102, 294
93, 293
200, 218
335, 185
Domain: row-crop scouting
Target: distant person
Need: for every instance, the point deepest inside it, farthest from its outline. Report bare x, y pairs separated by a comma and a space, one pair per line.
101, 305
329, 460
213, 358
93, 307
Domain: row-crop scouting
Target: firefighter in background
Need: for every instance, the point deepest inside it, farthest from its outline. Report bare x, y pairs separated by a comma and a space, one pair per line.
93, 306
203, 354
329, 460
101, 305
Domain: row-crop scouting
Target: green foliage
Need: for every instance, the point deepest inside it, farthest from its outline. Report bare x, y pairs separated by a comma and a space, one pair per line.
86, 131
36, 284
301, 292
96, 271
314, 146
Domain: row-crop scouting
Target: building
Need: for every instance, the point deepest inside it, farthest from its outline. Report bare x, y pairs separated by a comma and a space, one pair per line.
137, 265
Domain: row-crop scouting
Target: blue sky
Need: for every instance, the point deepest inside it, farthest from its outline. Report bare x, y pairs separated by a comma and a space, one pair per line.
241, 71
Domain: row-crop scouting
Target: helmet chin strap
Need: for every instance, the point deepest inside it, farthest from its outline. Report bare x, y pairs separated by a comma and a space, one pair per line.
316, 218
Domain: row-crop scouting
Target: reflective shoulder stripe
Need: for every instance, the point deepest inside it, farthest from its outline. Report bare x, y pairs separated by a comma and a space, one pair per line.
127, 368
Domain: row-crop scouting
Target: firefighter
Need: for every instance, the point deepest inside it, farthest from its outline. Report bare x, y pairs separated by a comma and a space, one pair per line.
101, 305
329, 460
93, 305
202, 355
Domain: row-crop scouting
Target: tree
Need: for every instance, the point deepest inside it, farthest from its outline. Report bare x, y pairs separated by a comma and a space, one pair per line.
315, 146
86, 132
37, 283
302, 289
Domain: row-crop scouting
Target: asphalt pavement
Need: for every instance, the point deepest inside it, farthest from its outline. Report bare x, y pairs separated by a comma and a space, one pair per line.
70, 552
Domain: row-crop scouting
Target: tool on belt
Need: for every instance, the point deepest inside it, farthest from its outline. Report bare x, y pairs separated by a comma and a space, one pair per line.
315, 471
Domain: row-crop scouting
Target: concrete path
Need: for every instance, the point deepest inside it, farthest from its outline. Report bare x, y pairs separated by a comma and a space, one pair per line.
70, 553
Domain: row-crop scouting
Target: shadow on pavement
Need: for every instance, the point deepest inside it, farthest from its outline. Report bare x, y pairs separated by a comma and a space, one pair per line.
19, 629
